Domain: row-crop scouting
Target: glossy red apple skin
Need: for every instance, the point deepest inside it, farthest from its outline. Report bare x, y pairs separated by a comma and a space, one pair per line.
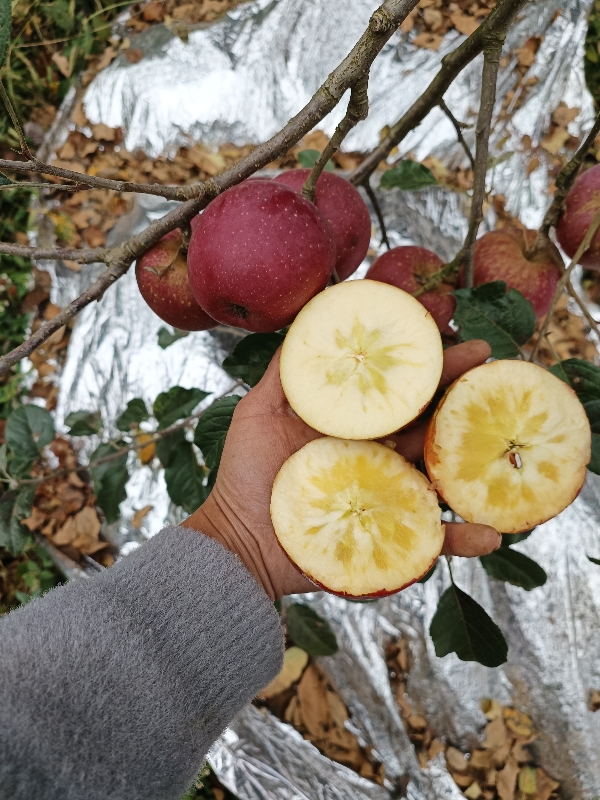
346, 212
258, 254
581, 204
500, 256
162, 277
409, 268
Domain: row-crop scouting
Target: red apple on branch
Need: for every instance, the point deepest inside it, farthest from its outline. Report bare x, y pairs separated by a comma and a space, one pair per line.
162, 277
502, 256
346, 212
258, 253
409, 268
581, 204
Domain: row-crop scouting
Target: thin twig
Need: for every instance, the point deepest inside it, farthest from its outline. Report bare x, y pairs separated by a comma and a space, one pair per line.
25, 151
458, 126
382, 25
447, 271
92, 256
587, 240
378, 213
64, 187
564, 181
452, 65
584, 310
358, 109
491, 63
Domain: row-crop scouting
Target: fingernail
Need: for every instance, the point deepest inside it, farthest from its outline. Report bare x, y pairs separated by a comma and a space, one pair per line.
499, 545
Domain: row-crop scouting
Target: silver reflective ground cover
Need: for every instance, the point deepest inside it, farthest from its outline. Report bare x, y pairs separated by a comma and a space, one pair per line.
240, 80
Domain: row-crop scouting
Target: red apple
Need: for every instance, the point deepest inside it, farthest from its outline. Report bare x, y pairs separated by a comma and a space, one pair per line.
346, 211
582, 203
162, 277
501, 256
259, 253
409, 268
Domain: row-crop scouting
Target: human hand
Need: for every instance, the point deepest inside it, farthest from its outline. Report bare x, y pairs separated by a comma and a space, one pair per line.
263, 434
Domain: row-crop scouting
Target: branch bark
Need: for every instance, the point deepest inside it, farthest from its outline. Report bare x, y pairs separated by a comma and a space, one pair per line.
452, 64
458, 126
491, 63
382, 24
92, 256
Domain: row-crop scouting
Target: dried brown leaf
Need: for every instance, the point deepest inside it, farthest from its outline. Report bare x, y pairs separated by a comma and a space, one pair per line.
139, 515
456, 760
313, 702
545, 785
464, 23
473, 792
506, 780
495, 734
294, 662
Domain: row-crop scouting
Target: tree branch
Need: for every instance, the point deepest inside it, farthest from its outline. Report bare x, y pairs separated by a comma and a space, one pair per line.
358, 109
458, 126
93, 256
378, 213
587, 240
491, 63
452, 65
383, 23
25, 151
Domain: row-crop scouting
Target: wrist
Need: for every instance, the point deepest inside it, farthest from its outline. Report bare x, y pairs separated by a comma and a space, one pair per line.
215, 519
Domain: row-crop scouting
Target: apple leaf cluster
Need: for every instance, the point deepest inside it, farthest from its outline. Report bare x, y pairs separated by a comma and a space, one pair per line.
309, 631
408, 175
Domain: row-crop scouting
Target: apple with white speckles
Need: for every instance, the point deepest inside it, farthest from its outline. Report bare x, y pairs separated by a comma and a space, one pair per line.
258, 254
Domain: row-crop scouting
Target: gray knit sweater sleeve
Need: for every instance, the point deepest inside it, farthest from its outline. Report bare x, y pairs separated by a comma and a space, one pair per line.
114, 688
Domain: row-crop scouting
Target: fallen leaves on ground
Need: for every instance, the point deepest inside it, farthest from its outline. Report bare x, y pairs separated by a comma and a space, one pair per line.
433, 19
567, 337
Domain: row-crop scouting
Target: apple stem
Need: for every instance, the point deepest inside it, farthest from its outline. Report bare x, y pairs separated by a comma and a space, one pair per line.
377, 209
358, 109
447, 271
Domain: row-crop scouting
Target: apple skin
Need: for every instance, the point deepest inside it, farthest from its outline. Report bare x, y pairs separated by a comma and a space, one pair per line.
258, 254
408, 268
338, 200
581, 204
500, 256
162, 278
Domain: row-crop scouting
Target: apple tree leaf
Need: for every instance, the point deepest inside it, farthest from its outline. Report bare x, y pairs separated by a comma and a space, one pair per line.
309, 631
592, 409
5, 27
15, 507
461, 626
515, 568
428, 575
408, 175
251, 357
28, 430
166, 445
83, 423
308, 158
582, 377
513, 538
212, 428
183, 476
176, 404
594, 560
110, 479
166, 338
504, 319
135, 413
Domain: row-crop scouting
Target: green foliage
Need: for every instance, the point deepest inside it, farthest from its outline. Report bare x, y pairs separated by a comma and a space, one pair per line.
175, 404
27, 575
408, 175
184, 476
166, 445
14, 507
166, 338
251, 357
514, 567
582, 376
513, 538
5, 24
310, 631
592, 409
28, 430
594, 560
461, 626
212, 428
135, 413
427, 575
308, 158
109, 479
505, 320
591, 62
84, 423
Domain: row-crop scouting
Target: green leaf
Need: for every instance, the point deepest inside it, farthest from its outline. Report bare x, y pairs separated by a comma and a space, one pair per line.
84, 423
594, 560
504, 320
251, 357
175, 404
28, 430
309, 631
461, 626
2, 458
60, 13
427, 575
183, 477
514, 567
166, 337
109, 479
5, 28
408, 175
212, 429
4, 181
166, 445
308, 158
582, 376
14, 508
135, 413
513, 538
592, 409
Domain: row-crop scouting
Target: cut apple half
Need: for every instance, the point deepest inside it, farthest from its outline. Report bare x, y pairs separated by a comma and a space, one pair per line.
508, 446
361, 360
356, 518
